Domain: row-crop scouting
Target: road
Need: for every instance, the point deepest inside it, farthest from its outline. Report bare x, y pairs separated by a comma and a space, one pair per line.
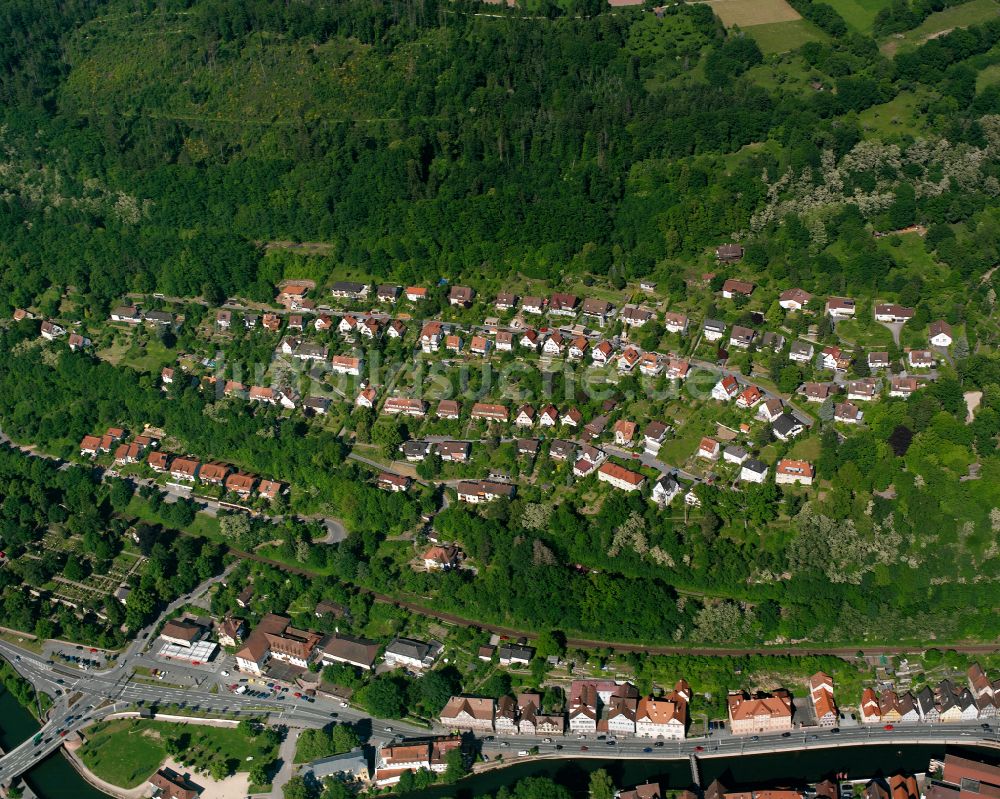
573, 746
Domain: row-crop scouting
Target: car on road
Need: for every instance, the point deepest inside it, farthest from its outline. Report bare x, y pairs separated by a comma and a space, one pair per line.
754, 737
584, 748
647, 749
786, 735
612, 743
659, 744
522, 753
888, 727
986, 727
546, 740
699, 749
813, 737
343, 704
224, 673
835, 730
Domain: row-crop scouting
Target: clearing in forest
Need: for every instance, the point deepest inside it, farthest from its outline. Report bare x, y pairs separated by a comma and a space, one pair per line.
752, 12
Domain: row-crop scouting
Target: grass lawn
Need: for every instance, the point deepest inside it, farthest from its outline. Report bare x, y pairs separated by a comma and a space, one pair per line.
987, 76
911, 251
781, 37
874, 336
126, 752
971, 13
203, 524
151, 357
859, 14
900, 116
805, 449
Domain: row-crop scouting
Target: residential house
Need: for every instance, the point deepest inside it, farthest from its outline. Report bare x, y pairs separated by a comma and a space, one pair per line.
553, 345
840, 307
409, 653
769, 410
903, 386
620, 477
563, 304
415, 451
628, 359
51, 331
653, 437
366, 398
349, 290
346, 365
890, 312
185, 469
753, 471
441, 558
728, 253
602, 353
927, 705
562, 450
323, 323
505, 341
650, 364
733, 287
815, 392
871, 712
515, 654
388, 293
801, 352
635, 316
836, 359
713, 329
461, 296
651, 790
527, 446
664, 490
794, 299
862, 390
271, 322
395, 329
158, 461
939, 334
430, 337
529, 340
665, 717
878, 360
505, 720
677, 369
786, 427
847, 413
505, 301
624, 432
598, 310
734, 453
549, 416
128, 314
533, 305
453, 343
393, 483
749, 397
415, 293
709, 449
790, 471
920, 359
772, 341
230, 631
454, 451
572, 418
741, 337
168, 784
241, 484
393, 760
675, 322
480, 345
223, 319
726, 388
578, 347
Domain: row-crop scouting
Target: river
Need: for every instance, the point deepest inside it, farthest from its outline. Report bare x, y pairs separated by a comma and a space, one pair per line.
54, 777
788, 769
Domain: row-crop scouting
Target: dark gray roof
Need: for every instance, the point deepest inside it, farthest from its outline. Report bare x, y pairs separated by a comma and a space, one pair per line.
756, 466
785, 424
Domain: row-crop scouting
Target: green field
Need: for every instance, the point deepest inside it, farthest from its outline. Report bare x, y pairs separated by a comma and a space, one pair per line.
127, 752
781, 37
900, 116
859, 14
203, 525
971, 13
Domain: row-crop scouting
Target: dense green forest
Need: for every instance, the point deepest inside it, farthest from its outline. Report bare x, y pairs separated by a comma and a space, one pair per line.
419, 139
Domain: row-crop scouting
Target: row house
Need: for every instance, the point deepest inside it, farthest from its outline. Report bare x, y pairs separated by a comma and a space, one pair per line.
665, 717
602, 704
489, 412
821, 696
471, 713
479, 491
620, 477
761, 712
406, 406
448, 409
185, 469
